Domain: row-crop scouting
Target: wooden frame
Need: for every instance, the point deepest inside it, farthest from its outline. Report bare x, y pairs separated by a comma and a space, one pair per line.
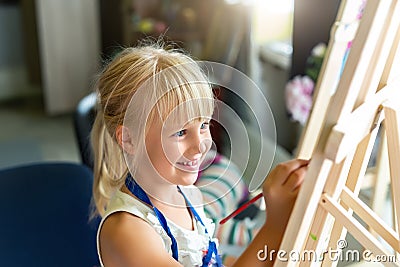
349, 107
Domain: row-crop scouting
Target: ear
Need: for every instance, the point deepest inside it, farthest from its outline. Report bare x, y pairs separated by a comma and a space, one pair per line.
124, 139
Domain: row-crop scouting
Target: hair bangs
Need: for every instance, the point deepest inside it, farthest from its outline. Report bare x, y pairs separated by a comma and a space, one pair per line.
186, 96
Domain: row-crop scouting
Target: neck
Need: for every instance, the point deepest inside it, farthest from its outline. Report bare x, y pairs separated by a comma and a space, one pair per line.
159, 191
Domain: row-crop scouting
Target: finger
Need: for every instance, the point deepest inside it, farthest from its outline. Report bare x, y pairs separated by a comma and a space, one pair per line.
296, 178
296, 191
284, 169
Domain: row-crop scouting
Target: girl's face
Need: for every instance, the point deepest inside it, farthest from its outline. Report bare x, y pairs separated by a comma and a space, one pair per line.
176, 151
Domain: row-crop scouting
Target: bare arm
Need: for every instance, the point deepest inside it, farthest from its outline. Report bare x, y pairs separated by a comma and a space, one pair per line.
128, 241
280, 191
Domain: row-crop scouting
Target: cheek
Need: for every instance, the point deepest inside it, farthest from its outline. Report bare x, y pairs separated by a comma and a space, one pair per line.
154, 150
170, 150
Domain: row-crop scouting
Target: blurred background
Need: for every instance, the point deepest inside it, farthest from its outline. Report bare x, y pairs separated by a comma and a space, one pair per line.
51, 51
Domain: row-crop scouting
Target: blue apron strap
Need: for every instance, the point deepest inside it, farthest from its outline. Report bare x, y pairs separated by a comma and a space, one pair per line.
212, 247
194, 212
136, 190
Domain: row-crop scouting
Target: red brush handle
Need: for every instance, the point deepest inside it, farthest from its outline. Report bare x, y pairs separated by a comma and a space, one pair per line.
241, 208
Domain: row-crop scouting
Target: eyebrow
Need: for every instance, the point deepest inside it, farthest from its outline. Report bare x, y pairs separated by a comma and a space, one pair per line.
181, 126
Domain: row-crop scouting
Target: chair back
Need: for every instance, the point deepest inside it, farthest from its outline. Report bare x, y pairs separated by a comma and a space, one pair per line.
45, 216
84, 117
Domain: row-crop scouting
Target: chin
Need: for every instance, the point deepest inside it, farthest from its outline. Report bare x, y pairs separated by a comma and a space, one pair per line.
188, 178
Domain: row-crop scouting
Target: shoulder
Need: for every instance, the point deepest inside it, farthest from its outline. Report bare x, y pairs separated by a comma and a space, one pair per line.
130, 241
120, 224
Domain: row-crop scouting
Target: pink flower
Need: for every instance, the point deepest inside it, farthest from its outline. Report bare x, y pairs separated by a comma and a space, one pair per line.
298, 94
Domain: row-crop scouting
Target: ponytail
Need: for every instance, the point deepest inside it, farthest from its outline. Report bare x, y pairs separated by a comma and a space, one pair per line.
109, 165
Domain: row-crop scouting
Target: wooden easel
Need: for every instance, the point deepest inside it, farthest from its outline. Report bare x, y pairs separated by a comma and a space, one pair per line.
349, 107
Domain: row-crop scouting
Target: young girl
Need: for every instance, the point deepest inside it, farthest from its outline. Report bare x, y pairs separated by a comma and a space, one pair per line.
150, 135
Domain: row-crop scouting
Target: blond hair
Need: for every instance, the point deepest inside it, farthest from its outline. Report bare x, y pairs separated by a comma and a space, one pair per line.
131, 70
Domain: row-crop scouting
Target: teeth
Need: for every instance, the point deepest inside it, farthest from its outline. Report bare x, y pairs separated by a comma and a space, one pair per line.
189, 163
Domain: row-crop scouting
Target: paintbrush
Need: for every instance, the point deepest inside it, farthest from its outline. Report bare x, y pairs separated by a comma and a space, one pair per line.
241, 208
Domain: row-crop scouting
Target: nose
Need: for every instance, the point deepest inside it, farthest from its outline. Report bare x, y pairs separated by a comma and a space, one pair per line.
199, 144
205, 145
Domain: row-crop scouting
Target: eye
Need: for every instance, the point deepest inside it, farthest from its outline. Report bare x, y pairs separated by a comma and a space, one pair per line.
204, 125
180, 133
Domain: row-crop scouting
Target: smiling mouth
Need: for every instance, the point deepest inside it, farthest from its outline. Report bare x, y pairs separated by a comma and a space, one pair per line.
192, 163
